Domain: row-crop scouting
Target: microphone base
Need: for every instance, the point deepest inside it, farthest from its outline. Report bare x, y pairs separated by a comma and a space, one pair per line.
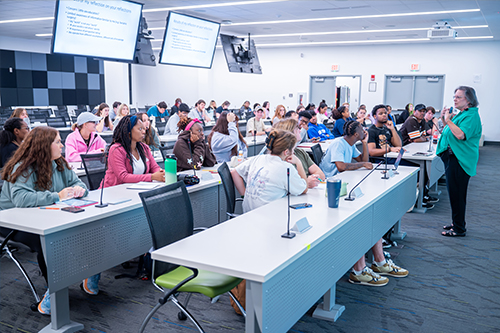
350, 199
103, 205
384, 177
288, 235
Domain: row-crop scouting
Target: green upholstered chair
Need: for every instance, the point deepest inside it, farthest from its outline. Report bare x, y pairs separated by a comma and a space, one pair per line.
170, 217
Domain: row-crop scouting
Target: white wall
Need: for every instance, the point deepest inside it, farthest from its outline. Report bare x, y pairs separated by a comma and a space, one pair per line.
285, 71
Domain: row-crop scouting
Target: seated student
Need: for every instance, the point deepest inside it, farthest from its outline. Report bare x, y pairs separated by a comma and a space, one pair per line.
266, 175
14, 132
338, 158
321, 115
341, 116
266, 106
279, 114
255, 106
316, 130
292, 114
361, 115
38, 175
84, 139
313, 172
256, 125
158, 110
304, 118
221, 108
389, 114
431, 123
106, 124
114, 112
413, 129
151, 136
123, 111
245, 108
129, 159
175, 108
382, 135
226, 140
23, 114
408, 111
171, 127
191, 150
211, 110
199, 112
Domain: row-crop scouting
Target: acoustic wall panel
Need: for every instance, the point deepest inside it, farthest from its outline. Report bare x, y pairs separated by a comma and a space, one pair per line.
38, 79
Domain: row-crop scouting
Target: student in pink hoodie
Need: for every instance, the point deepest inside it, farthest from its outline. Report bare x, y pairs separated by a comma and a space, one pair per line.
84, 139
130, 160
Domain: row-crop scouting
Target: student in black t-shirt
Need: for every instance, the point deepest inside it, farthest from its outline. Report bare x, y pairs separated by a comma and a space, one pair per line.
383, 136
413, 129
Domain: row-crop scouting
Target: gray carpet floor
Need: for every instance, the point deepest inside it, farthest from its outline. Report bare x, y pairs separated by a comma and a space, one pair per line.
453, 286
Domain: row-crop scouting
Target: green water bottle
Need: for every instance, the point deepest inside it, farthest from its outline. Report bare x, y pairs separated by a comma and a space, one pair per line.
170, 169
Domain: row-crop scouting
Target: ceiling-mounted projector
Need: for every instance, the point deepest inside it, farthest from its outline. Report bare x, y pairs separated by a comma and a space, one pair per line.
441, 30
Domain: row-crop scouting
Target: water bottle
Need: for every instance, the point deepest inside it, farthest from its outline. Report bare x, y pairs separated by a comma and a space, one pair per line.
170, 169
435, 137
240, 156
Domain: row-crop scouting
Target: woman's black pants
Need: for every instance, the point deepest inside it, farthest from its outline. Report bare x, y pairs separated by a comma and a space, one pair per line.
457, 181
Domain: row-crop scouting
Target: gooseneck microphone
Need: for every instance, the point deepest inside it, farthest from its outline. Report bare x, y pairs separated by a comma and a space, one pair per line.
288, 234
350, 198
385, 176
105, 156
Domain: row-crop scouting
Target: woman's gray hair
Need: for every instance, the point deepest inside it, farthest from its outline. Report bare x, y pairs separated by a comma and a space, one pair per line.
470, 95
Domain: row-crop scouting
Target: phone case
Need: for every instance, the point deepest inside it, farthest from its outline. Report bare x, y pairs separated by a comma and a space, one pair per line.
73, 209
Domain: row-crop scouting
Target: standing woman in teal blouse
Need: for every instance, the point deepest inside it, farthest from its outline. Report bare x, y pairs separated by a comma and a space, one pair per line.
458, 147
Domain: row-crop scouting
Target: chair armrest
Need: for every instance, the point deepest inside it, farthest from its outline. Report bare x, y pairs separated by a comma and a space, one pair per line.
165, 298
232, 215
198, 229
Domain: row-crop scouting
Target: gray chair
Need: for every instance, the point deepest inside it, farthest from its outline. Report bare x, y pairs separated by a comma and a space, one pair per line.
317, 153
170, 218
229, 190
95, 169
57, 122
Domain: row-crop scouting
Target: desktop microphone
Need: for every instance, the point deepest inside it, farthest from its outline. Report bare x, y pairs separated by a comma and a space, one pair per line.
88, 147
288, 234
105, 156
254, 136
349, 198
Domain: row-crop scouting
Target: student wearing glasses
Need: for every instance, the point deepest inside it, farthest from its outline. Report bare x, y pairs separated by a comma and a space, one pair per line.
38, 175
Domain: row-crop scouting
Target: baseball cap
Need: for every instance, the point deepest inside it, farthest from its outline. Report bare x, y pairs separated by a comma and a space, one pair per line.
86, 117
419, 107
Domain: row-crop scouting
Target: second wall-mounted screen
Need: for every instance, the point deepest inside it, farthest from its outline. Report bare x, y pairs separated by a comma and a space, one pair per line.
189, 41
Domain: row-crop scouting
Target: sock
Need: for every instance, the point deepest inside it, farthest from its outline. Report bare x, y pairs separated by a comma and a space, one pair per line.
382, 263
356, 272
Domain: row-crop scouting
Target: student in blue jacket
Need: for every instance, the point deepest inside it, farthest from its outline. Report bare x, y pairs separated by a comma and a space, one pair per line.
316, 130
341, 116
38, 175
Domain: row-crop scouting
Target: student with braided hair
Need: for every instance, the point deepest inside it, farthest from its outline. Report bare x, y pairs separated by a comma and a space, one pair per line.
191, 150
338, 158
130, 160
266, 175
339, 155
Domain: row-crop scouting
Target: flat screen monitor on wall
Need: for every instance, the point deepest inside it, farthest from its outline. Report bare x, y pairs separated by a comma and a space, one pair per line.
98, 28
189, 41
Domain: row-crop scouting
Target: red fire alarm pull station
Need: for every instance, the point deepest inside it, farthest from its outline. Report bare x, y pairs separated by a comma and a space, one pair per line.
372, 77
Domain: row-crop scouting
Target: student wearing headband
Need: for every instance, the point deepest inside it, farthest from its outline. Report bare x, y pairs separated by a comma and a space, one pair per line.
130, 160
266, 175
191, 150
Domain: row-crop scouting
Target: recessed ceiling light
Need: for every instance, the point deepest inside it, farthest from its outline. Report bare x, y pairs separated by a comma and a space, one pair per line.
213, 5
360, 17
346, 42
28, 20
43, 35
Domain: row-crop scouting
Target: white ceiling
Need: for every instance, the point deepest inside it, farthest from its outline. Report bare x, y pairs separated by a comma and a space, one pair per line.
489, 14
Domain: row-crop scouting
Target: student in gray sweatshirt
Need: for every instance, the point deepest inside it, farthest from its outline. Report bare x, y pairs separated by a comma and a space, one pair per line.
226, 139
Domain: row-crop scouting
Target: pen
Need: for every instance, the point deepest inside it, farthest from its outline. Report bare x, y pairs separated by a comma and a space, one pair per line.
51, 208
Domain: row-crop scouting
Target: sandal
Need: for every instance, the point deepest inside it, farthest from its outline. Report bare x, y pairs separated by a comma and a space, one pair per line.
453, 233
448, 227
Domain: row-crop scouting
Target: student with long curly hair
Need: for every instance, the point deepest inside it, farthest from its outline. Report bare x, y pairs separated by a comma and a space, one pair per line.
38, 175
191, 150
226, 140
129, 159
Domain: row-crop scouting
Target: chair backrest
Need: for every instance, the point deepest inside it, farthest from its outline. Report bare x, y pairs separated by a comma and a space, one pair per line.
317, 153
94, 168
170, 217
58, 122
160, 126
165, 151
228, 185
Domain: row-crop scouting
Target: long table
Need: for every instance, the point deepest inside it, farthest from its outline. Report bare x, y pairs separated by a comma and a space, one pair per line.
77, 246
428, 162
285, 277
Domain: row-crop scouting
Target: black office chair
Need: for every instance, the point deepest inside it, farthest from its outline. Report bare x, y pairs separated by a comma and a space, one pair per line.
7, 251
57, 122
229, 189
95, 169
165, 151
160, 127
317, 153
170, 218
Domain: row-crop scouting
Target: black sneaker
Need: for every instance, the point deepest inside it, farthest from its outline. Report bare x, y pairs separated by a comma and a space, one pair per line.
429, 199
428, 205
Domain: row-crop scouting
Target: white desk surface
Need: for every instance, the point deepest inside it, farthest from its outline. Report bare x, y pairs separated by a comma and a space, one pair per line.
259, 139
45, 221
415, 147
259, 250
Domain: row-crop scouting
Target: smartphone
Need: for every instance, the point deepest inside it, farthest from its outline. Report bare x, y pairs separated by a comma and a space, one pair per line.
73, 209
301, 205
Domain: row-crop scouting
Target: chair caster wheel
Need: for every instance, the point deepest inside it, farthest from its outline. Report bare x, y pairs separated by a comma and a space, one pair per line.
181, 316
34, 307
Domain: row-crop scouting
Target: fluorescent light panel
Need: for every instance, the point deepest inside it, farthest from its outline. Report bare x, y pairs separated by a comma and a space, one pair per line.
359, 17
223, 4
28, 20
346, 42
